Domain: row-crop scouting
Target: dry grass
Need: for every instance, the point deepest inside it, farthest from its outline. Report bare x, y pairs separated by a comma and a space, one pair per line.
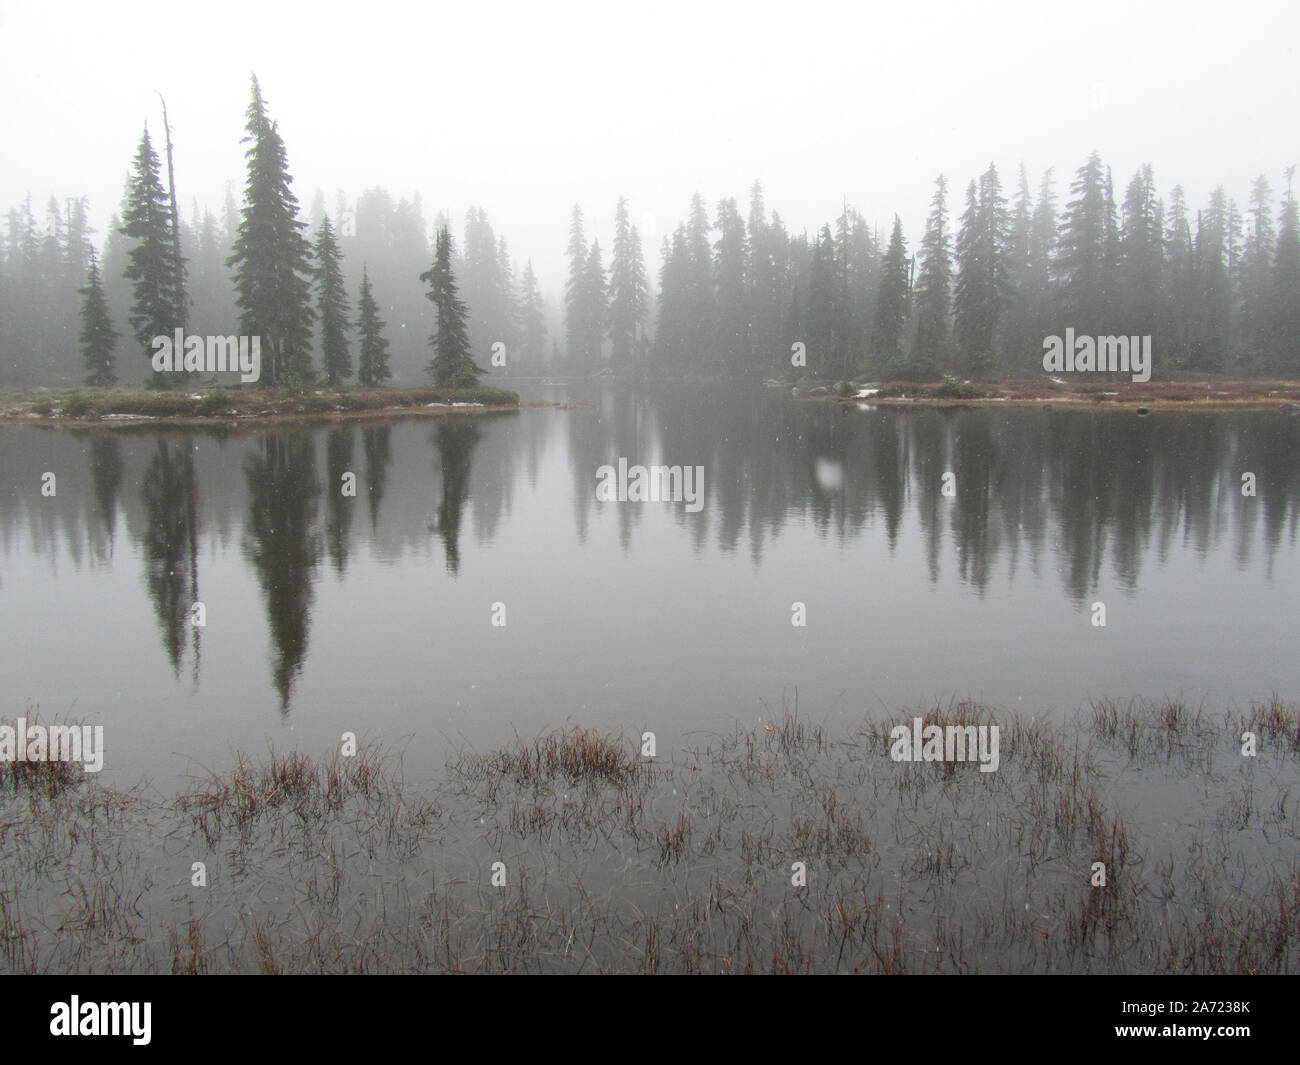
38, 780
579, 755
336, 865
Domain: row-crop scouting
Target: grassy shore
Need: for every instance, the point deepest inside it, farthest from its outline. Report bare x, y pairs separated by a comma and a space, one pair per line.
1201, 395
110, 406
616, 863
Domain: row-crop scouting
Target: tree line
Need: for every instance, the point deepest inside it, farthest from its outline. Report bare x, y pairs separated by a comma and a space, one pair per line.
1217, 288
260, 270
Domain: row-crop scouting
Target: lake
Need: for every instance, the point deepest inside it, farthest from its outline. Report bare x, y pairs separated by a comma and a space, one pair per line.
475, 588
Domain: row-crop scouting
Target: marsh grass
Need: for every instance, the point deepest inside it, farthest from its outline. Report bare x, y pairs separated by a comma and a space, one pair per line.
617, 864
40, 780
577, 755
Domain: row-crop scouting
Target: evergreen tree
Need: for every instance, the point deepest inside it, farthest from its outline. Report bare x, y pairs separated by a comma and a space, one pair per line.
595, 299
934, 288
628, 294
271, 257
765, 287
858, 261
731, 324
821, 312
510, 308
575, 290
332, 306
1286, 286
980, 294
1257, 275
1087, 252
532, 319
98, 337
698, 283
1040, 277
1213, 295
372, 361
892, 300
670, 334
1017, 344
641, 301
1179, 282
1141, 259
152, 264
483, 276
452, 364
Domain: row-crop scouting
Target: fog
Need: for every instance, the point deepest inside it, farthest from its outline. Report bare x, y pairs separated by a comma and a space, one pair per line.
526, 109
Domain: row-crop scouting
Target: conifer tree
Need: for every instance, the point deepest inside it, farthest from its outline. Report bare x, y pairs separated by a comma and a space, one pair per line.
820, 312
151, 261
575, 288
372, 360
1257, 274
452, 364
1141, 260
98, 337
731, 321
671, 333
1286, 285
934, 288
1179, 283
271, 257
892, 298
1213, 296
532, 316
595, 297
980, 293
697, 279
332, 306
627, 289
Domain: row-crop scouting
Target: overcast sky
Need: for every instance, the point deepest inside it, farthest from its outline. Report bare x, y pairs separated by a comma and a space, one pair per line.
526, 108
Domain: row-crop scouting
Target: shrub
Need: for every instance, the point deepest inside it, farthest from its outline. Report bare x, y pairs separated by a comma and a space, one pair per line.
77, 405
215, 402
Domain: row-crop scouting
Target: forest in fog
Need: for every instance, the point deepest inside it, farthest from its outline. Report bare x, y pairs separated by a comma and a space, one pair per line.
1004, 261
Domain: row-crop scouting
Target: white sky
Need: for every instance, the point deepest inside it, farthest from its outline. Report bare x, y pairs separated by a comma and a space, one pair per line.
525, 108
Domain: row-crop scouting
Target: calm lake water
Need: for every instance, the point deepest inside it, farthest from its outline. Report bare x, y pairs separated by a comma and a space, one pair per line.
327, 613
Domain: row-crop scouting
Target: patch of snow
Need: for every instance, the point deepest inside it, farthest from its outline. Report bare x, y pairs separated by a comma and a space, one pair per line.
864, 393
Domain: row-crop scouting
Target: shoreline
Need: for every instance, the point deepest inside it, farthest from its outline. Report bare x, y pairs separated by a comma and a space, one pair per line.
1146, 396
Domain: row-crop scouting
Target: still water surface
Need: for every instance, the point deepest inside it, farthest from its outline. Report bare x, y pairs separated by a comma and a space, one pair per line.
374, 614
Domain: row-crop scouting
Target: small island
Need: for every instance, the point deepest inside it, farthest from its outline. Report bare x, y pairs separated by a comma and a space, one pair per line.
1144, 396
121, 407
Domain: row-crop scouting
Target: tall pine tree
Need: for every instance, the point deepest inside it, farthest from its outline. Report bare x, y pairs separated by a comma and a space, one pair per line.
628, 294
151, 261
372, 360
452, 365
271, 257
532, 319
98, 337
892, 298
332, 306
930, 352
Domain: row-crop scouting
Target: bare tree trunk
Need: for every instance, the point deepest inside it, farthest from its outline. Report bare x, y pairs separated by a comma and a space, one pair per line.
181, 301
